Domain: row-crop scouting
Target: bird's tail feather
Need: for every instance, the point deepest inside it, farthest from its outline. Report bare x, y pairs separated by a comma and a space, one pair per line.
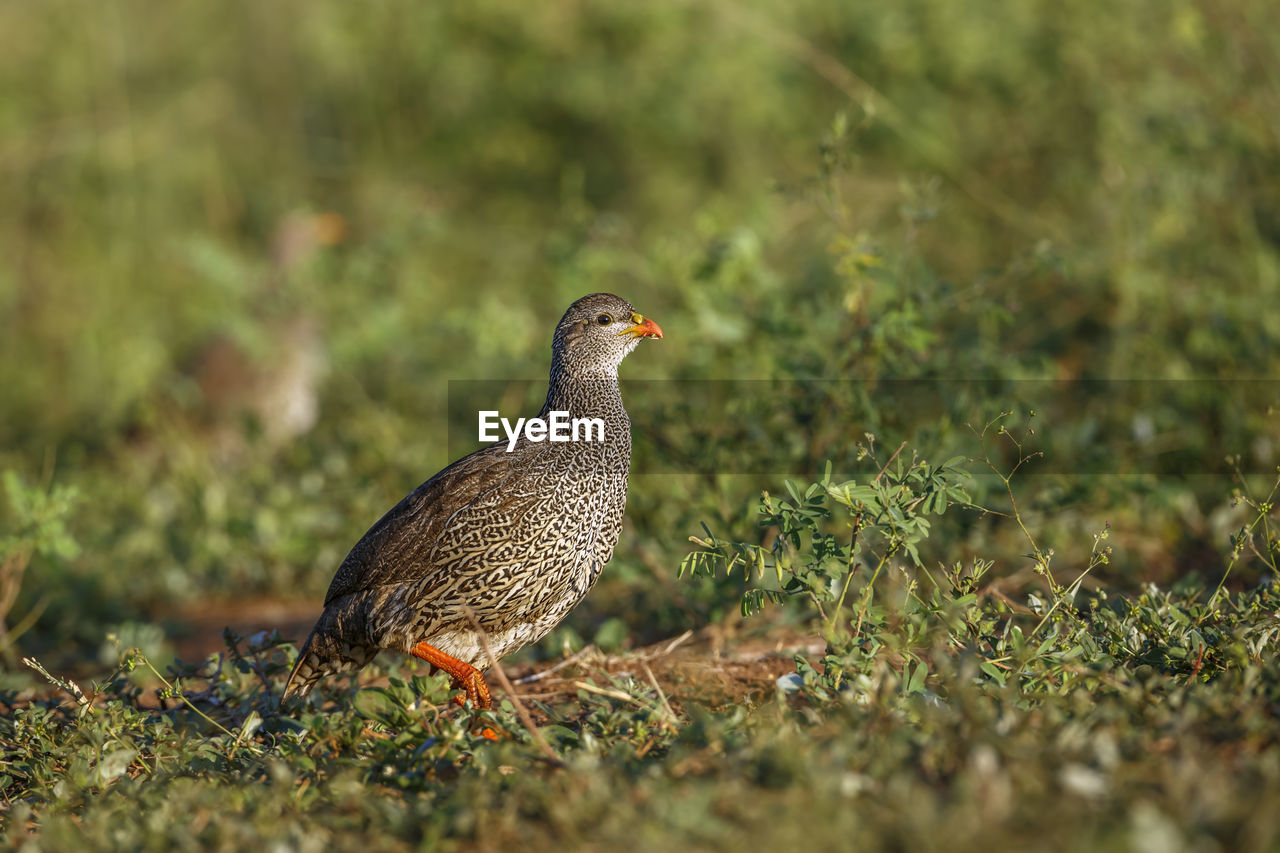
307, 670
324, 654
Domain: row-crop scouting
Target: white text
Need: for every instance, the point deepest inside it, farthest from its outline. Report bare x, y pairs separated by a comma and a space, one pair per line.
558, 426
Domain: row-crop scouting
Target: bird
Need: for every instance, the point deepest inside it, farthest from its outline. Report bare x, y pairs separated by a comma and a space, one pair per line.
498, 547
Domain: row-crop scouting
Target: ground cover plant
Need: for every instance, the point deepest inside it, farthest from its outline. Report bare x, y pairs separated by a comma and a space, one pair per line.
953, 517
939, 708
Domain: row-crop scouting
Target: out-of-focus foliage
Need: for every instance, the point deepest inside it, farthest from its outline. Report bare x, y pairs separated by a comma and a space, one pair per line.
247, 245
36, 526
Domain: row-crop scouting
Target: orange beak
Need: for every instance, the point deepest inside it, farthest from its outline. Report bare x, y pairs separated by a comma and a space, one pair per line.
643, 328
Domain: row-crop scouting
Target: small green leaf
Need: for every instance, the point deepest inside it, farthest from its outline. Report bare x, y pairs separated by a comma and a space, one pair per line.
995, 672
375, 703
115, 763
918, 677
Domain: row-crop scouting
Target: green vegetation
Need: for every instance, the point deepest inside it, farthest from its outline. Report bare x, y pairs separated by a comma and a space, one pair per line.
252, 248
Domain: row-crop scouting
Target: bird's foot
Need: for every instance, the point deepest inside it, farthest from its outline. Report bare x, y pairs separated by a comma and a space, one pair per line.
476, 689
477, 692
465, 676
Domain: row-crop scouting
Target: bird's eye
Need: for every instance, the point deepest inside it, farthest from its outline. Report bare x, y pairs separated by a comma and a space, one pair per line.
604, 319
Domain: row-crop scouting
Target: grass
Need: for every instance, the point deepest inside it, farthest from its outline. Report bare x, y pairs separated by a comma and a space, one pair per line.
939, 708
967, 396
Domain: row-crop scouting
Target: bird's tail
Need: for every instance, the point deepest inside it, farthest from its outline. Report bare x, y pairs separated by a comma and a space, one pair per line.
307, 670
326, 652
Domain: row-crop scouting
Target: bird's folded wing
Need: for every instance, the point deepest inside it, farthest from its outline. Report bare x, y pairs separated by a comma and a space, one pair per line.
403, 545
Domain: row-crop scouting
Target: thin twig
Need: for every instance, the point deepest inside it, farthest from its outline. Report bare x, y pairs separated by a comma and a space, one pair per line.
853, 547
573, 658
849, 569
615, 694
677, 642
887, 462
65, 683
671, 714
178, 694
521, 711
866, 599
9, 636
651, 653
627, 697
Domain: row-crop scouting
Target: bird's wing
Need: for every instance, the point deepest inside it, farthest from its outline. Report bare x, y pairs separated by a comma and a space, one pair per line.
402, 545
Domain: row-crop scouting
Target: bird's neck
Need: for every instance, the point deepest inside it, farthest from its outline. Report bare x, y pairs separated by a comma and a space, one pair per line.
585, 396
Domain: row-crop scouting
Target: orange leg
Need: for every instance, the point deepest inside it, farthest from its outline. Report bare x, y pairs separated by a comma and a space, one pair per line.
464, 675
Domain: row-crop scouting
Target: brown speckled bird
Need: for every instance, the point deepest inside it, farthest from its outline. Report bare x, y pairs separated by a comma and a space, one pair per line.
512, 540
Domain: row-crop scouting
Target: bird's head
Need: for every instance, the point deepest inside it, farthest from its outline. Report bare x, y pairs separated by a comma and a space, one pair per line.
597, 333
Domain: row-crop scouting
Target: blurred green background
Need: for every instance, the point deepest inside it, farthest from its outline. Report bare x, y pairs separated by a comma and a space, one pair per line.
247, 246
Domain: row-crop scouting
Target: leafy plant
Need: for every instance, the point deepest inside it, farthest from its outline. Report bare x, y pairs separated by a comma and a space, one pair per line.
37, 522
886, 518
1051, 645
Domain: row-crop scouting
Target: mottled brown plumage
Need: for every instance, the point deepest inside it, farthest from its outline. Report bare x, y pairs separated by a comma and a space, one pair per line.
513, 540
